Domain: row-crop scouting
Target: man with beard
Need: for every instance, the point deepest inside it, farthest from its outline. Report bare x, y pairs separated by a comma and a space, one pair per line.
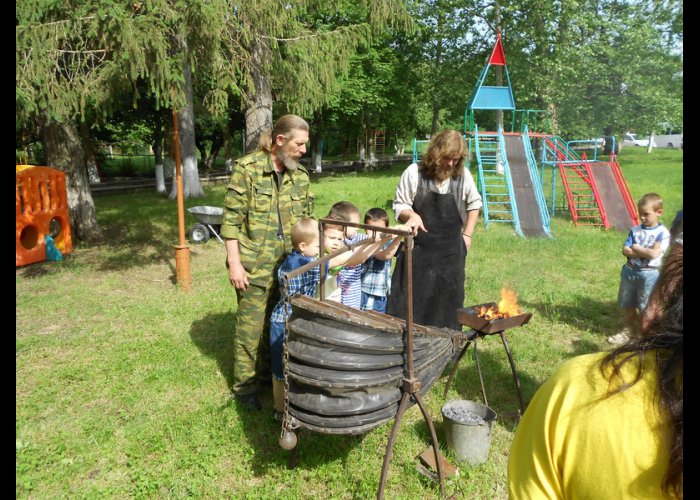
268, 192
438, 200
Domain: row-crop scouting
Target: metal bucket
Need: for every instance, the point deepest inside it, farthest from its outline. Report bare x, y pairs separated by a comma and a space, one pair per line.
470, 439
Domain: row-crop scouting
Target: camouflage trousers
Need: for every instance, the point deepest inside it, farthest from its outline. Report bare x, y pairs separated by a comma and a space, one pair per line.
251, 339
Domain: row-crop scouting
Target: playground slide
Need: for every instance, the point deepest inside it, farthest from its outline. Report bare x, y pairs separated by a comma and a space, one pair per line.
524, 189
611, 197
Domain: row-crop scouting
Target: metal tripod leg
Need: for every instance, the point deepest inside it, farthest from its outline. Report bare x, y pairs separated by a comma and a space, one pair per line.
454, 368
478, 368
515, 372
436, 446
392, 438
390, 445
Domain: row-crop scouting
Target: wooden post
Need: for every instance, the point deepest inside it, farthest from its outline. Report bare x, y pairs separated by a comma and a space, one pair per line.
182, 251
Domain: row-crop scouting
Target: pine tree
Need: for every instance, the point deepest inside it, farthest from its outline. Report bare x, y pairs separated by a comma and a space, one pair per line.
74, 55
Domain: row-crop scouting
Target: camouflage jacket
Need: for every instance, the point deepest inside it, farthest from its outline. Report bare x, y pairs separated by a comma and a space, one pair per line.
250, 212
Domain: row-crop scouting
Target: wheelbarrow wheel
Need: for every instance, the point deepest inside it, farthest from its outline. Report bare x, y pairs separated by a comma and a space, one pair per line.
199, 233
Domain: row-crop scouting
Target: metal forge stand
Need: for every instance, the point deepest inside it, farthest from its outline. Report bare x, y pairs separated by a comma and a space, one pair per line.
411, 385
480, 328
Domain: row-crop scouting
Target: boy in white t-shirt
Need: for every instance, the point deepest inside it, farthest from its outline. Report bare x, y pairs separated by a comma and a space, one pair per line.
644, 248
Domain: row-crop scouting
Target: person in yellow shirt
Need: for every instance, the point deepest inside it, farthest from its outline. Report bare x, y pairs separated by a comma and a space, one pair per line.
610, 425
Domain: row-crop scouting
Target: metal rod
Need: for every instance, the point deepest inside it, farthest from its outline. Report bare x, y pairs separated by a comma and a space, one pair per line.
478, 368
454, 368
182, 251
436, 446
215, 233
390, 445
411, 386
388, 230
178, 180
515, 372
322, 284
409, 305
328, 257
293, 458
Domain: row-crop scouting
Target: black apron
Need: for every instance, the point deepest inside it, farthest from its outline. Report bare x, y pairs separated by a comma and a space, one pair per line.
439, 258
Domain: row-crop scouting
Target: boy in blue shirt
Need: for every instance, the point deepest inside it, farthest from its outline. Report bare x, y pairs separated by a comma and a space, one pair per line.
644, 248
305, 239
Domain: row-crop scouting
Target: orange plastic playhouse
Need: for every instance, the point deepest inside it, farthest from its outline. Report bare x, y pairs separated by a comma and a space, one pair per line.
42, 210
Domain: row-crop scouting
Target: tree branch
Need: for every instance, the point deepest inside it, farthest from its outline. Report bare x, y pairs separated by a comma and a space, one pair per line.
304, 37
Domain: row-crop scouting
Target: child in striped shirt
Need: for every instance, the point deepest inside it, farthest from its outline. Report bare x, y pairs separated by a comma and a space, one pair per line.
349, 278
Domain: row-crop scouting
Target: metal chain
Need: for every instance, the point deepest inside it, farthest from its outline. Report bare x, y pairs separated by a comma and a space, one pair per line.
285, 357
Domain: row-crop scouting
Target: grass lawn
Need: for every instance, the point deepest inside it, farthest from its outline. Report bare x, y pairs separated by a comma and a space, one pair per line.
122, 380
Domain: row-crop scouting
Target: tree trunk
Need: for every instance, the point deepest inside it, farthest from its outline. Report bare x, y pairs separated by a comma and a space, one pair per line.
553, 113
158, 156
361, 150
202, 151
258, 115
316, 152
90, 158
609, 139
188, 151
169, 149
435, 125
228, 146
216, 144
64, 151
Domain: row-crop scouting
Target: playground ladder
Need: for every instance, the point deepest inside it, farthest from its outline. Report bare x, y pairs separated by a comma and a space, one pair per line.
581, 193
582, 198
496, 189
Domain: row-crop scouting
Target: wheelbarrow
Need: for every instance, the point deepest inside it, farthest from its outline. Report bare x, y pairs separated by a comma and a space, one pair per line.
208, 223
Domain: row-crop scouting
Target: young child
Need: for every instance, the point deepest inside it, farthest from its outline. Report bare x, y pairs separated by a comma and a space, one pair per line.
333, 239
376, 271
644, 248
350, 277
305, 239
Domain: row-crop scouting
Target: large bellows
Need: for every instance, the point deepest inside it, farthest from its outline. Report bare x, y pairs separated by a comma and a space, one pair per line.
345, 367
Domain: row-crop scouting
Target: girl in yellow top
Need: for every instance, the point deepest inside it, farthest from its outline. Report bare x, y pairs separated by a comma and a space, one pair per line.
610, 425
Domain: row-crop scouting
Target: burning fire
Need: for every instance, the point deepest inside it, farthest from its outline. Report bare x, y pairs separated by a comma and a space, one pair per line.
507, 307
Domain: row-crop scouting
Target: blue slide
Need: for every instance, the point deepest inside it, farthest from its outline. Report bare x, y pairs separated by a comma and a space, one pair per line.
527, 188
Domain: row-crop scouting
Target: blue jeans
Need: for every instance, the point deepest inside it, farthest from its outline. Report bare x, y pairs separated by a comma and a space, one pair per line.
277, 332
635, 287
373, 303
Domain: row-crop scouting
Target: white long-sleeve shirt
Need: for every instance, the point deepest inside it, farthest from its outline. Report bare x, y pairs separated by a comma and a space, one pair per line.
408, 185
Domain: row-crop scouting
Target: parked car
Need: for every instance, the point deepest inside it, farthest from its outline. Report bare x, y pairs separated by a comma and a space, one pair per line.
669, 140
630, 139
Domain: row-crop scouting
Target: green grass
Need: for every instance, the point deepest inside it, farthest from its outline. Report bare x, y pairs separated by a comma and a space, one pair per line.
122, 379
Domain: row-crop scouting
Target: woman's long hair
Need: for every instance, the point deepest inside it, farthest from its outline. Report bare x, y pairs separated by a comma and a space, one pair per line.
660, 335
445, 144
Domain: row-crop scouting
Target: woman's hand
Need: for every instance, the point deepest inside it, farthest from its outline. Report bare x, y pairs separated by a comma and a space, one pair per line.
467, 241
414, 223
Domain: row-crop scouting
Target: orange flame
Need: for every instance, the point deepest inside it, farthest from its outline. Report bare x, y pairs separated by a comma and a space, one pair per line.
507, 307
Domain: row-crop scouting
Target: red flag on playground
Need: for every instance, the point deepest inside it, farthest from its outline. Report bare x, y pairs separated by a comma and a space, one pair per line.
498, 57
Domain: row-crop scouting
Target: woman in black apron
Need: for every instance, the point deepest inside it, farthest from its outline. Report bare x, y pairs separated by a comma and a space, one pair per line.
438, 199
